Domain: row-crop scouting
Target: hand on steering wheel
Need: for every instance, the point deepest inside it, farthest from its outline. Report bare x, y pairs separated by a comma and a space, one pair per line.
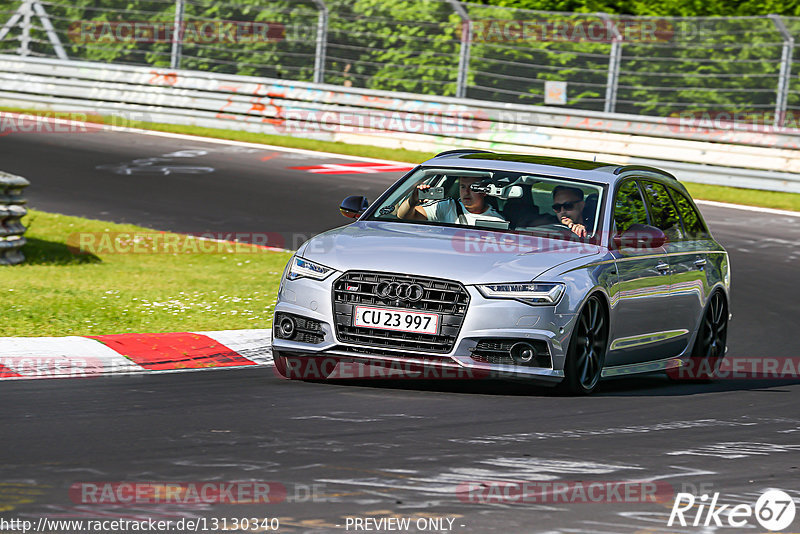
577, 229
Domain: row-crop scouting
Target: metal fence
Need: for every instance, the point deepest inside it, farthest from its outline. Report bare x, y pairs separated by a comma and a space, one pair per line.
12, 209
735, 68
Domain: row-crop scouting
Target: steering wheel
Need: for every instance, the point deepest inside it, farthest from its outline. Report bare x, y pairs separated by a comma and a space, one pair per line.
559, 228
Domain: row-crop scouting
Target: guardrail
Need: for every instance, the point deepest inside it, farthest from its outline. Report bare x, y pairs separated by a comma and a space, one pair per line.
12, 209
730, 154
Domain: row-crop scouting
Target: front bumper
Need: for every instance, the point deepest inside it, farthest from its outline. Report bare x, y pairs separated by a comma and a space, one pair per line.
493, 319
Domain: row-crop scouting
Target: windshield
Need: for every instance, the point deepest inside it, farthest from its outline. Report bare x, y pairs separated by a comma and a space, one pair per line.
496, 200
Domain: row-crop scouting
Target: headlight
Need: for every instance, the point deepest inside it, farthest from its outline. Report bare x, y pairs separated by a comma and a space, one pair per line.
300, 268
528, 292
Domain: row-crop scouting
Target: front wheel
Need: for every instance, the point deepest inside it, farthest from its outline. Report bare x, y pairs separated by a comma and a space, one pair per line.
279, 364
587, 349
302, 367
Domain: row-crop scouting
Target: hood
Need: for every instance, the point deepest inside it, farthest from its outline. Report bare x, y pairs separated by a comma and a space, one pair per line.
471, 256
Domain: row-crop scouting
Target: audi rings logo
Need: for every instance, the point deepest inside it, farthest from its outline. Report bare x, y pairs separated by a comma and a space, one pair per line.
402, 291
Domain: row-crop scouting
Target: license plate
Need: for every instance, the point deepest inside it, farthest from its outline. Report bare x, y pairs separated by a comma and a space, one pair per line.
399, 320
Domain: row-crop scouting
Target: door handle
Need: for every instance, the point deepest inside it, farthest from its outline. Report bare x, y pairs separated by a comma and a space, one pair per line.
700, 263
663, 267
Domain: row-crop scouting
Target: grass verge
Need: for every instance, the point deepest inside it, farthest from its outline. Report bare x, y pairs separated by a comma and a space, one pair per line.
59, 291
733, 195
747, 197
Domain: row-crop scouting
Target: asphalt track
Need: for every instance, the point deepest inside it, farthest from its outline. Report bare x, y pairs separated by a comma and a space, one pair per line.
379, 449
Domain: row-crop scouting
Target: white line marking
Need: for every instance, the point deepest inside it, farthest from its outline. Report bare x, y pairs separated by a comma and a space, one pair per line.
758, 209
197, 138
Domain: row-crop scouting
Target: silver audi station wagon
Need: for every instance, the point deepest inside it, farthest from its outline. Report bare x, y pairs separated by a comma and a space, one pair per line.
557, 271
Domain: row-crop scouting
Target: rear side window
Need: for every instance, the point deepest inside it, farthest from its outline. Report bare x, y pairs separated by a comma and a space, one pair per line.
629, 207
663, 212
692, 223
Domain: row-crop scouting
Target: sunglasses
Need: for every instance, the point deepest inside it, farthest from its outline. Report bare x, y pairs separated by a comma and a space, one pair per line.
565, 205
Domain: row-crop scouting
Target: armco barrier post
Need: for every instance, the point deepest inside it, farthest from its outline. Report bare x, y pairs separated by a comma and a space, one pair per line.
785, 72
177, 36
12, 209
466, 41
614, 58
322, 42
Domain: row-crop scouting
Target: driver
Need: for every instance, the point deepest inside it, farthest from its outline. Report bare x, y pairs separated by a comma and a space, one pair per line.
568, 204
469, 208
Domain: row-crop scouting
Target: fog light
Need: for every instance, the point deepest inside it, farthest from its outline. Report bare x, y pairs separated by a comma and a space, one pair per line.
523, 353
287, 327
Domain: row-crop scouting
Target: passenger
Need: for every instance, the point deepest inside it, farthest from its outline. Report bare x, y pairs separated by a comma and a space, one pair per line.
568, 204
470, 207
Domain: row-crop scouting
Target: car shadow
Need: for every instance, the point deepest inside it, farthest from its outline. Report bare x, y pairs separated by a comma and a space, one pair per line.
652, 385
660, 385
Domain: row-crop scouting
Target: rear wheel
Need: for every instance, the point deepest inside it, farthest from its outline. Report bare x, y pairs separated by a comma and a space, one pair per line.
709, 347
587, 349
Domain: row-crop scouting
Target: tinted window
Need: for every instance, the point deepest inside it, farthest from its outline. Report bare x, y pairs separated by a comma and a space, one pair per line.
629, 207
663, 213
692, 223
503, 201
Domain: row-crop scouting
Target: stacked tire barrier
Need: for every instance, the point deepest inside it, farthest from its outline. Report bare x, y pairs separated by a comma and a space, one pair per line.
12, 209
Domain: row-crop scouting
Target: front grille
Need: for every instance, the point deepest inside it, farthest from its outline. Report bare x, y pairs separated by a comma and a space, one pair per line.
498, 351
447, 298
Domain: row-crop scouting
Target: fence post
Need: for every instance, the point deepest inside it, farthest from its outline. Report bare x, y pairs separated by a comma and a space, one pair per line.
25, 36
782, 92
466, 42
51, 31
322, 42
10, 23
614, 59
177, 36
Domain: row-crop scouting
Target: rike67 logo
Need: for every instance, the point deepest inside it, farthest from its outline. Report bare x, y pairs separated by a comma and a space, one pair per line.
774, 510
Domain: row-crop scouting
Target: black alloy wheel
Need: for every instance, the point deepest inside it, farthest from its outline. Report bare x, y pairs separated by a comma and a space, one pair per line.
709, 347
587, 349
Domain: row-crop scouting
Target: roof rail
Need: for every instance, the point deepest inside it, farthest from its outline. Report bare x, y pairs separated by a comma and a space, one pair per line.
628, 168
463, 151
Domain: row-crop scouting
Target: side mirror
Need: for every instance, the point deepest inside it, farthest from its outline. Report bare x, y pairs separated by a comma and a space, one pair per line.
640, 236
354, 206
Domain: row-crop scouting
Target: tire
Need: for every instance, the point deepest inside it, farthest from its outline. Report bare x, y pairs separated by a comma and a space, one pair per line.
586, 354
279, 364
309, 368
710, 344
